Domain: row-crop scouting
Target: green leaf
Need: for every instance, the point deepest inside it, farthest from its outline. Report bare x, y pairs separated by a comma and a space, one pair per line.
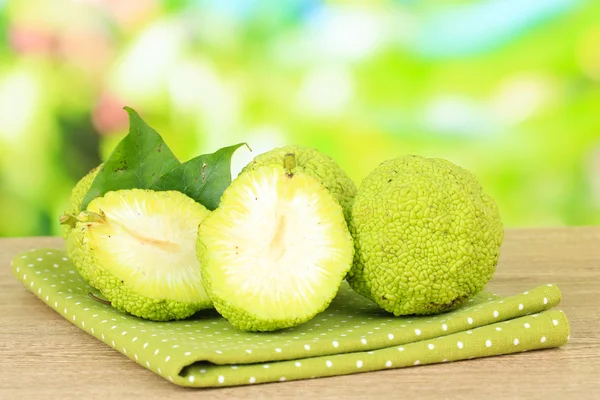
138, 161
203, 178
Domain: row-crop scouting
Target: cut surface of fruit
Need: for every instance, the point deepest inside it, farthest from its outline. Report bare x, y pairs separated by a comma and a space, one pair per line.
147, 240
275, 251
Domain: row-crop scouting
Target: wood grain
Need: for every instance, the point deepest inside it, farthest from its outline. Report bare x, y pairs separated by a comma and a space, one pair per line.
44, 356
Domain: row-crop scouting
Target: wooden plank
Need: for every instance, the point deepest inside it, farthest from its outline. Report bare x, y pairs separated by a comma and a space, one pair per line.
44, 356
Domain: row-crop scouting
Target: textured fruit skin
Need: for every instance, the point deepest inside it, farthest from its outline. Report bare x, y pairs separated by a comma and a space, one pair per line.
78, 194
426, 236
242, 317
316, 164
81, 250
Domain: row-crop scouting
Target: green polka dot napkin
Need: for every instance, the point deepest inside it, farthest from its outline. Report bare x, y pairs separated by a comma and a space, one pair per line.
353, 335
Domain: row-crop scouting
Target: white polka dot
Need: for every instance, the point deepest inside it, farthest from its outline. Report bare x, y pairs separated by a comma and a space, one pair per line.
187, 353
191, 378
363, 341
525, 292
520, 306
545, 300
335, 343
390, 336
248, 351
469, 332
174, 346
278, 350
297, 364
417, 332
388, 364
252, 379
496, 314
568, 337
282, 379
543, 339
516, 341
554, 322
307, 347
488, 343
124, 333
203, 371
136, 357
328, 363
417, 362
40, 259
460, 345
430, 346
526, 325
359, 364
498, 328
444, 327
400, 348
266, 366
470, 320
156, 351
218, 352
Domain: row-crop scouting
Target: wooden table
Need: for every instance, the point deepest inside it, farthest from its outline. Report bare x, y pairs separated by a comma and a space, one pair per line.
44, 356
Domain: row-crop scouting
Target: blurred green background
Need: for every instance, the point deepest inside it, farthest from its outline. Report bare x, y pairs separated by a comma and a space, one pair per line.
509, 89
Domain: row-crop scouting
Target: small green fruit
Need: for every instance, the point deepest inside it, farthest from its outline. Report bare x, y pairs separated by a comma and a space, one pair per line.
138, 248
276, 250
426, 236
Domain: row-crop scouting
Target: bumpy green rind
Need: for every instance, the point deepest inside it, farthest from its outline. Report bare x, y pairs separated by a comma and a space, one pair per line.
319, 166
244, 319
81, 252
426, 236
78, 194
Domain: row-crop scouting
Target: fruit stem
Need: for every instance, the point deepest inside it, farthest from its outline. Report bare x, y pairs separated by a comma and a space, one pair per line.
68, 219
90, 216
289, 163
98, 299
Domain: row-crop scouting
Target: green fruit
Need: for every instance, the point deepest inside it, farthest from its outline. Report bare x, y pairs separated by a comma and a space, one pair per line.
426, 236
138, 248
316, 164
276, 250
78, 194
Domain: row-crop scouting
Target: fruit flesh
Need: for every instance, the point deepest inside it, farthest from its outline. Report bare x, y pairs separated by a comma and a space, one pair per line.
138, 248
275, 251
